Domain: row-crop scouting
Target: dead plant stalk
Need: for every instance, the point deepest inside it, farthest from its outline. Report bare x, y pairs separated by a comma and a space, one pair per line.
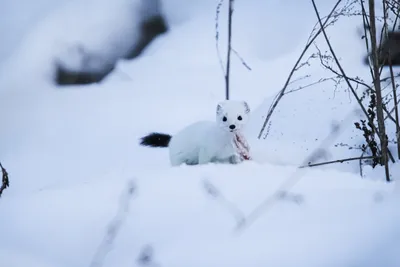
378, 91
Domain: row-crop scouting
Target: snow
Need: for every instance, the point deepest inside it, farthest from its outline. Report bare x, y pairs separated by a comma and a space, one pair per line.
188, 227
72, 152
88, 28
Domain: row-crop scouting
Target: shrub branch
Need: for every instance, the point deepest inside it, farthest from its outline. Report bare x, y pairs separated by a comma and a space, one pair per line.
228, 53
378, 91
335, 161
381, 135
5, 182
295, 67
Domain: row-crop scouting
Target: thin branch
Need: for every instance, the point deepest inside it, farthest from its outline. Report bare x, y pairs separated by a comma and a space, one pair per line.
228, 55
241, 59
379, 110
357, 81
300, 78
218, 10
391, 111
389, 116
114, 226
390, 77
5, 183
213, 191
335, 161
360, 163
322, 80
343, 72
293, 179
366, 26
282, 92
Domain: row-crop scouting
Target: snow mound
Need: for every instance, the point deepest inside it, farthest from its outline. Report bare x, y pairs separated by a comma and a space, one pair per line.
71, 154
335, 224
81, 41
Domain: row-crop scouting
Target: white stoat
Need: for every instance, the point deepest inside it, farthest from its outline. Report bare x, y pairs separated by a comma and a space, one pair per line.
202, 142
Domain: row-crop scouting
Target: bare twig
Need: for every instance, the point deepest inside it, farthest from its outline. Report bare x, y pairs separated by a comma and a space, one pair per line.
241, 59
293, 179
216, 194
334, 161
389, 115
5, 182
282, 92
355, 80
310, 84
218, 10
390, 77
228, 55
346, 77
343, 74
300, 78
366, 26
114, 226
391, 111
360, 163
379, 109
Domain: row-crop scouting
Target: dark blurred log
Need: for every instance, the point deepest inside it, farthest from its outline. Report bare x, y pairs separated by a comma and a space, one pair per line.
93, 68
150, 29
390, 49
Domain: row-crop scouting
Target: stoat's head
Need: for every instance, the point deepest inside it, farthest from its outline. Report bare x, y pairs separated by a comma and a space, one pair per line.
232, 115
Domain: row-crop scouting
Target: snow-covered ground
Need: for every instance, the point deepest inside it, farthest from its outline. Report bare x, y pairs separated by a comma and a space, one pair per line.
72, 152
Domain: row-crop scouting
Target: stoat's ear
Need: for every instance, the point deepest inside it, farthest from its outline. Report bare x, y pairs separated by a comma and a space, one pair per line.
246, 107
219, 108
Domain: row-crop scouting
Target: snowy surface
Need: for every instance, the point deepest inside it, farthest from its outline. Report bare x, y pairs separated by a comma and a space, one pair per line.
87, 36
71, 152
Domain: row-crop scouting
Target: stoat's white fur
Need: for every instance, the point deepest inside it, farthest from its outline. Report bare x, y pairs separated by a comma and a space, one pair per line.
206, 141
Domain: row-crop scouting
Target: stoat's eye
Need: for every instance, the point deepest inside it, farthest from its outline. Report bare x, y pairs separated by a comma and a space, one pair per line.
239, 118
224, 119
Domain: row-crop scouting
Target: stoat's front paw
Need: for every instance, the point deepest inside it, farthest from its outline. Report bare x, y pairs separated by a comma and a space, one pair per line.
235, 159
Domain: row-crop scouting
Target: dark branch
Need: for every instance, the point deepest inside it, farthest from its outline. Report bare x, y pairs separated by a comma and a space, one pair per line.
114, 226
217, 34
379, 110
344, 74
282, 92
228, 55
241, 59
5, 183
213, 191
335, 161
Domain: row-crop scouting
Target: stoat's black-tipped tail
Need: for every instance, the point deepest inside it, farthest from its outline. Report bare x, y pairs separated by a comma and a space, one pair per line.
156, 140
